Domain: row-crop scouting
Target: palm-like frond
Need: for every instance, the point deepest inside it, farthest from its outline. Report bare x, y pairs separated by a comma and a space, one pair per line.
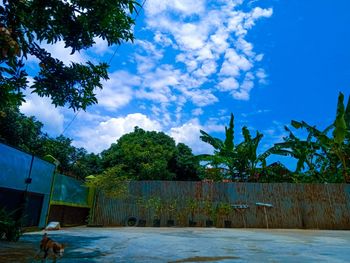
215, 142
229, 136
340, 128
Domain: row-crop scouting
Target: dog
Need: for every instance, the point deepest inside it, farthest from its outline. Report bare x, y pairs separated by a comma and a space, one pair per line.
47, 245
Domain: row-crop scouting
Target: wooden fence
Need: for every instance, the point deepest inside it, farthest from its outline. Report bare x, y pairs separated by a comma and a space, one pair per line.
251, 205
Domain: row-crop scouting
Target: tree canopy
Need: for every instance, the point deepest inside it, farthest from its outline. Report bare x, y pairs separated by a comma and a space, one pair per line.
26, 134
20, 131
150, 155
26, 25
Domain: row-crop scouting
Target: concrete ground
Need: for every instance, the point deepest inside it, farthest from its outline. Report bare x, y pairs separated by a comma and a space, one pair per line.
154, 245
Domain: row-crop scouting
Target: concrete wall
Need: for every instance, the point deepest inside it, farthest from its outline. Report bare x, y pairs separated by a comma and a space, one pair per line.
70, 201
318, 206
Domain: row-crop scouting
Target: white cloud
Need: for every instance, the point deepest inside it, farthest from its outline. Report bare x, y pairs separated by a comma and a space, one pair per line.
189, 53
195, 50
96, 139
261, 75
256, 14
243, 92
240, 61
189, 134
259, 57
245, 47
150, 49
228, 84
235, 23
101, 46
118, 90
45, 112
209, 39
59, 51
259, 12
100, 137
185, 7
197, 112
158, 86
208, 67
163, 39
200, 97
219, 39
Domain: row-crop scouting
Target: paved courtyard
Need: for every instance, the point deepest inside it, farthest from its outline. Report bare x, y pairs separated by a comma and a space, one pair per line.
154, 245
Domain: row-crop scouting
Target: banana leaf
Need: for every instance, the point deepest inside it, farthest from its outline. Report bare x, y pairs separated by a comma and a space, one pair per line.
339, 131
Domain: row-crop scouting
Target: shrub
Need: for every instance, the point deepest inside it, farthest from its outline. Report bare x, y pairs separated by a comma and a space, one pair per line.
9, 228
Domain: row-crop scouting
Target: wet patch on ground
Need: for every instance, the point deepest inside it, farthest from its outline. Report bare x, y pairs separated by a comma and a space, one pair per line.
202, 259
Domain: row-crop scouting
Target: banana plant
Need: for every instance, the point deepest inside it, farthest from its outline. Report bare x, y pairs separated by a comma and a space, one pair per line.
248, 153
323, 152
223, 150
241, 160
305, 151
341, 134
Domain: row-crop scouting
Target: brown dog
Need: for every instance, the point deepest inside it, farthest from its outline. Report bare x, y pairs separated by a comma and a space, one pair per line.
47, 244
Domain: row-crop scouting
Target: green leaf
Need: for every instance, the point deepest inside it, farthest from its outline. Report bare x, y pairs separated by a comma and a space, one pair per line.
347, 114
296, 124
215, 142
229, 132
339, 131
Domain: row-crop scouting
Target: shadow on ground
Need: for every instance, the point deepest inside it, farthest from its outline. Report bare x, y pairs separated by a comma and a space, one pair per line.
76, 248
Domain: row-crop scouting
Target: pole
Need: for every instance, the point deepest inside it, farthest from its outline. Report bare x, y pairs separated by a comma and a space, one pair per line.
27, 181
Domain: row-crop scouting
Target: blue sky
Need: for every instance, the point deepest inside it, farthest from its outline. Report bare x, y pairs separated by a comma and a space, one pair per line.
195, 62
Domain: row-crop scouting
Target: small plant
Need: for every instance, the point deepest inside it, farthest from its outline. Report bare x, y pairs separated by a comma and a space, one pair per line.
208, 209
224, 210
193, 207
170, 206
113, 182
181, 217
9, 228
155, 204
142, 206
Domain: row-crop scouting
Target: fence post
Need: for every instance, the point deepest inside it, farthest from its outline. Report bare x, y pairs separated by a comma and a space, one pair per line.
27, 181
51, 194
92, 195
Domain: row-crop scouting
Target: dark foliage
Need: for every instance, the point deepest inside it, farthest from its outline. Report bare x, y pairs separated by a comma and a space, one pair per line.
26, 25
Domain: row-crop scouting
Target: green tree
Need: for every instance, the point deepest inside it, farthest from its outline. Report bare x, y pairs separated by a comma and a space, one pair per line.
184, 164
26, 24
20, 131
62, 150
86, 164
237, 162
75, 162
114, 182
149, 155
